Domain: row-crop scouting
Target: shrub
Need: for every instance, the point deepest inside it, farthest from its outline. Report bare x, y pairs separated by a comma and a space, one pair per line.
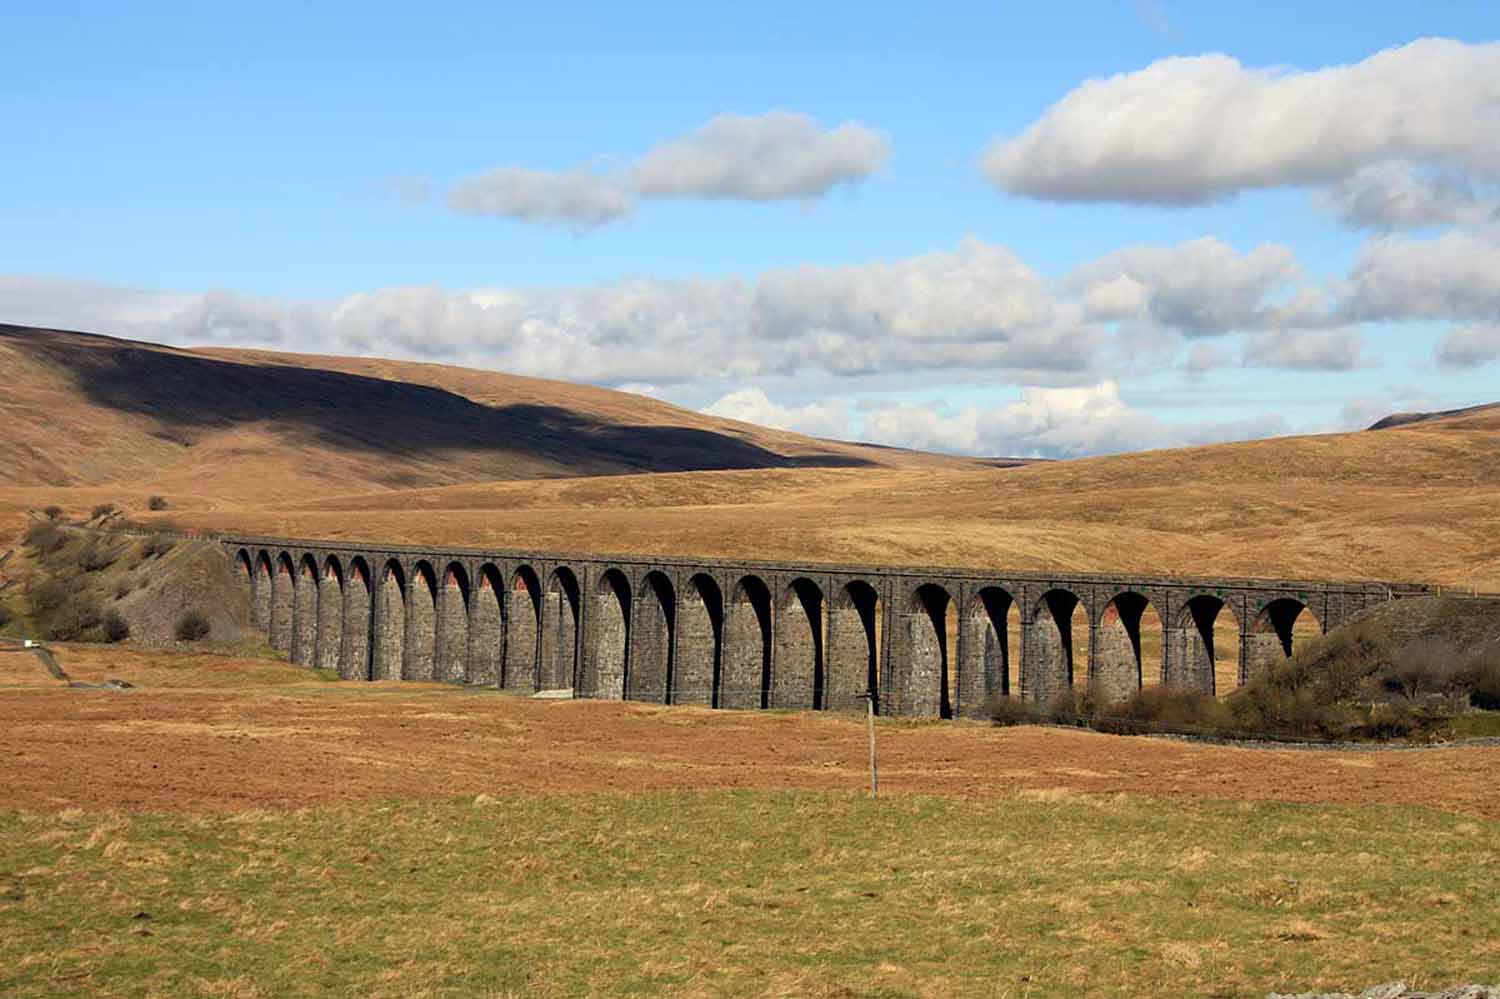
1004, 710
52, 512
157, 503
102, 510
5, 615
123, 589
65, 615
115, 628
157, 546
191, 626
1481, 677
95, 558
45, 538
1426, 666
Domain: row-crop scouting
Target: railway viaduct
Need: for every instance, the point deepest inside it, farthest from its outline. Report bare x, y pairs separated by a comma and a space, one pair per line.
929, 642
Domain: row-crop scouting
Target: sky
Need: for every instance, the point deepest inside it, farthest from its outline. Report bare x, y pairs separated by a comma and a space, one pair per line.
1044, 230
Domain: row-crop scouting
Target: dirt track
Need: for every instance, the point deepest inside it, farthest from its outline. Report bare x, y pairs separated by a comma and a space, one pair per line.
165, 749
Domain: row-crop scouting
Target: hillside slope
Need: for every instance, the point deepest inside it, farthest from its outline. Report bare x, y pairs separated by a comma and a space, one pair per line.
83, 410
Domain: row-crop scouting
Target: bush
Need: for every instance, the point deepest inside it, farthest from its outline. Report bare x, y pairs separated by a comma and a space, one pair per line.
1003, 710
123, 589
191, 626
1426, 666
45, 538
157, 546
102, 510
64, 612
115, 627
52, 512
157, 503
95, 558
5, 615
1481, 677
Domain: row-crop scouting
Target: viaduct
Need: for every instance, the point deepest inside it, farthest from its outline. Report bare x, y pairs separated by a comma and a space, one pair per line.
929, 642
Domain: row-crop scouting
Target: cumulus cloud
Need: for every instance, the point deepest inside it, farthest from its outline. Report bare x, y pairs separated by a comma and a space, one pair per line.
1470, 346
1188, 130
1452, 276
1049, 423
1399, 195
1306, 350
768, 157
976, 307
761, 158
1200, 287
578, 199
751, 405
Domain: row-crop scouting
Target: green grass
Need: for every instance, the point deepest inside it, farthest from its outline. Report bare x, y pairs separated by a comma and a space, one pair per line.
1476, 725
746, 894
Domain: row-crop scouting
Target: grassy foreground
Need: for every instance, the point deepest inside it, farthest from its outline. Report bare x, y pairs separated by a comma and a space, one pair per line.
747, 894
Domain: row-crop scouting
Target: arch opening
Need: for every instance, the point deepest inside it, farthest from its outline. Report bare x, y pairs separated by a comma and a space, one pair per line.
305, 612
330, 625
1052, 646
282, 585
1119, 661
1204, 651
560, 630
390, 622
453, 625
797, 677
1281, 628
523, 605
700, 629
609, 621
486, 628
357, 639
745, 675
651, 640
854, 636
991, 659
920, 677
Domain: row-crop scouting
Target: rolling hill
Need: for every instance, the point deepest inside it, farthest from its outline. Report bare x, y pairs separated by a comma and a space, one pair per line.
399, 452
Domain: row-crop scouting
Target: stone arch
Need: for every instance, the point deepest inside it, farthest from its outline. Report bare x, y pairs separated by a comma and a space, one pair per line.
523, 606
1279, 628
355, 644
651, 638
745, 673
797, 674
452, 659
990, 663
283, 584
486, 627
1052, 646
305, 612
390, 622
260, 594
609, 621
919, 676
246, 566
1119, 657
330, 615
700, 632
854, 635
421, 623
560, 630
1204, 634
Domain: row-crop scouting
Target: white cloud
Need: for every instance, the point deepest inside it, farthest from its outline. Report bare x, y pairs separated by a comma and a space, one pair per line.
751, 405
1398, 195
1340, 349
1470, 346
761, 158
1049, 423
1452, 276
1200, 287
578, 199
1186, 130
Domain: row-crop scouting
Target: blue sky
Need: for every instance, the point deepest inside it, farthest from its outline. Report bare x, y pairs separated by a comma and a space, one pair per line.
274, 175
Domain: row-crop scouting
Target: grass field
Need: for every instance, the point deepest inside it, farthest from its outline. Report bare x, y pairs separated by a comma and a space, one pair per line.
747, 894
237, 827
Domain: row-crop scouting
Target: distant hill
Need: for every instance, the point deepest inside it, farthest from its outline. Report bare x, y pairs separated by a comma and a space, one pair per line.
86, 410
1406, 419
